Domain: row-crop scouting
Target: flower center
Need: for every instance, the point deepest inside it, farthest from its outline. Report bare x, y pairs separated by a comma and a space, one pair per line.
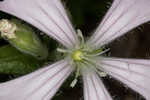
83, 57
77, 55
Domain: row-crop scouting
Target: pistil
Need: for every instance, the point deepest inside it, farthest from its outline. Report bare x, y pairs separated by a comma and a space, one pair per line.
77, 55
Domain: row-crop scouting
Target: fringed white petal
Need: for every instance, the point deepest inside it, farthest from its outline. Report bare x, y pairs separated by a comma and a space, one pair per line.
134, 73
47, 15
39, 85
123, 16
94, 89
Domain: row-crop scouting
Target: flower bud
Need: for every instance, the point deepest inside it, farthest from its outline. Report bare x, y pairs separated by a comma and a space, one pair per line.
23, 38
7, 29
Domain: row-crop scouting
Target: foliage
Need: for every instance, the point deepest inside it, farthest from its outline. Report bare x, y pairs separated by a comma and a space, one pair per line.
14, 62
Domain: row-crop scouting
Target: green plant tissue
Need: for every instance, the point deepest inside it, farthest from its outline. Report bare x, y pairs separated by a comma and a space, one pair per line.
14, 62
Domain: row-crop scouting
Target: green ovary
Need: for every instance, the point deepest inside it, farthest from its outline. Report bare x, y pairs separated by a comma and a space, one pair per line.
77, 55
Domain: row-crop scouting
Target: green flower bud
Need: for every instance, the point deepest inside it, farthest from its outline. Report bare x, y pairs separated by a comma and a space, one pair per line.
23, 38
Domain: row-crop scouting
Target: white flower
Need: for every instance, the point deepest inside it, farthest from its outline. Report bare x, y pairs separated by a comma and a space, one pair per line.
83, 57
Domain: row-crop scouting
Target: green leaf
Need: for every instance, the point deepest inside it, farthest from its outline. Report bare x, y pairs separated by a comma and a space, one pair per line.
13, 61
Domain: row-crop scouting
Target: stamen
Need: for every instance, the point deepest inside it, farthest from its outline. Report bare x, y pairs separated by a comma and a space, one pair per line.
102, 74
63, 50
73, 83
100, 70
88, 60
77, 74
98, 54
80, 35
97, 69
